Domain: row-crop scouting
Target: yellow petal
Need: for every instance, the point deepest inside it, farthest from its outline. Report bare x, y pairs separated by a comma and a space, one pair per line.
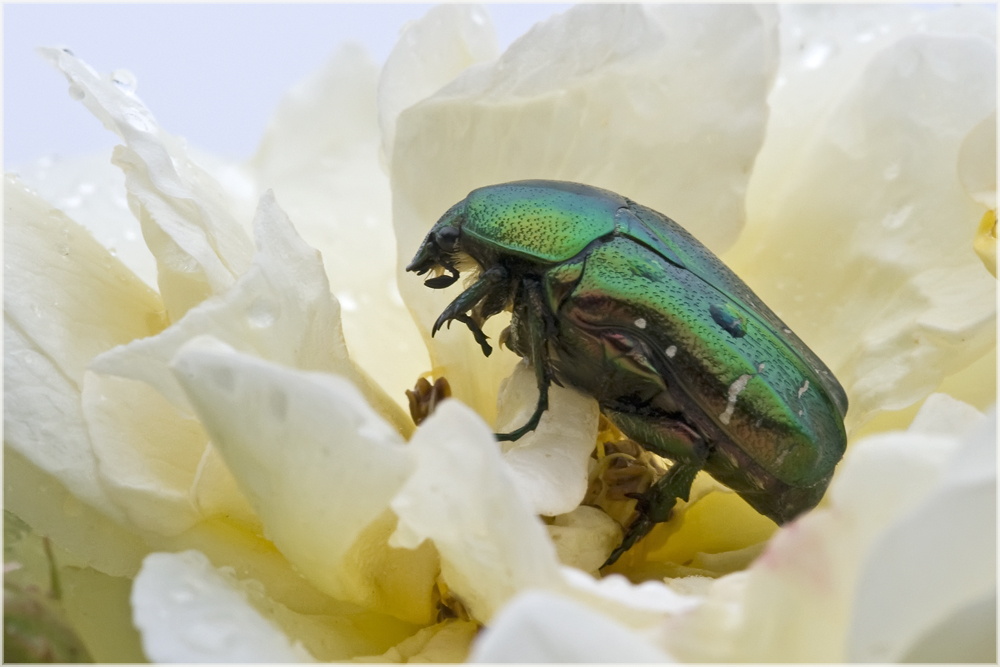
986, 241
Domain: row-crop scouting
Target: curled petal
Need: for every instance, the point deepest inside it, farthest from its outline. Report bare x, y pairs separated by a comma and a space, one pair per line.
549, 463
541, 627
187, 611
319, 467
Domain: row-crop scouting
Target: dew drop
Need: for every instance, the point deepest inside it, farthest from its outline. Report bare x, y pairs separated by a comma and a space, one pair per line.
125, 80
86, 188
76, 92
897, 218
816, 55
63, 249
263, 312
181, 595
347, 301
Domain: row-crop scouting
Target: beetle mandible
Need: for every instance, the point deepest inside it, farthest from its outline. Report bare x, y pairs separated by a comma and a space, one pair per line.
621, 302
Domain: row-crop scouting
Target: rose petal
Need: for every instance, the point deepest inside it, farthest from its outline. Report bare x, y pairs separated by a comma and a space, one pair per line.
44, 502
936, 560
319, 466
584, 538
539, 627
604, 94
66, 299
155, 462
189, 612
280, 309
200, 249
447, 641
461, 496
549, 463
431, 52
795, 602
899, 301
320, 155
93, 191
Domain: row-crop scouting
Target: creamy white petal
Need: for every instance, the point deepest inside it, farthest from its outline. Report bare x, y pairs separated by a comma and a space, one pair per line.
155, 462
871, 277
795, 602
461, 496
320, 155
187, 611
938, 559
280, 309
430, 53
541, 627
549, 463
603, 94
944, 415
92, 190
66, 299
584, 538
318, 465
199, 247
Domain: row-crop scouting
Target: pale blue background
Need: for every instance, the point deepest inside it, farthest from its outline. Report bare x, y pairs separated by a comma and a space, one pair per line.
210, 73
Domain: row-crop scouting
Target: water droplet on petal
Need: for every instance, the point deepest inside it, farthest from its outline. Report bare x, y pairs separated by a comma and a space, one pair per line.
125, 80
347, 301
263, 312
816, 55
76, 92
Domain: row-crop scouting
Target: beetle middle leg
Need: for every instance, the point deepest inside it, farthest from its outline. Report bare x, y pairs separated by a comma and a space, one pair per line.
540, 329
467, 300
670, 438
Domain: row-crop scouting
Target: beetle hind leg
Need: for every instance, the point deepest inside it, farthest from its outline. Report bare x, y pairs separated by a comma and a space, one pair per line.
670, 438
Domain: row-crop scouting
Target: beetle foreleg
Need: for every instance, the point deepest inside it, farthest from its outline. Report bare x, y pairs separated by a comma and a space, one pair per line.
467, 300
538, 331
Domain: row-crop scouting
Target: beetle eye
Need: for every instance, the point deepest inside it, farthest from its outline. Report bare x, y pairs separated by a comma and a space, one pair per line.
447, 238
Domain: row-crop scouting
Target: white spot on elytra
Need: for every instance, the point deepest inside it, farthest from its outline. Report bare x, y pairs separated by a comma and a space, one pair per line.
760, 369
734, 390
671, 351
803, 388
641, 323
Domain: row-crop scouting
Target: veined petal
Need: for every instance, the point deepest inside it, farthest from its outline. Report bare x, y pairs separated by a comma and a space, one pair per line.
187, 611
66, 299
949, 543
603, 94
320, 156
199, 248
892, 299
92, 190
319, 466
541, 627
549, 463
461, 496
430, 53
795, 602
280, 309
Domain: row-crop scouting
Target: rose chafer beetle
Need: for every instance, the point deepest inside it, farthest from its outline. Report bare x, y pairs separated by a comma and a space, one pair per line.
621, 302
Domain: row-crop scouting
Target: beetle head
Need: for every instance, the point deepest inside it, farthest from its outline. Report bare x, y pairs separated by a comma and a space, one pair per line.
441, 250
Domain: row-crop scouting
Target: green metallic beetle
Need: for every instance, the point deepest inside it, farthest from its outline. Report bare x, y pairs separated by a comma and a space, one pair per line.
621, 302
